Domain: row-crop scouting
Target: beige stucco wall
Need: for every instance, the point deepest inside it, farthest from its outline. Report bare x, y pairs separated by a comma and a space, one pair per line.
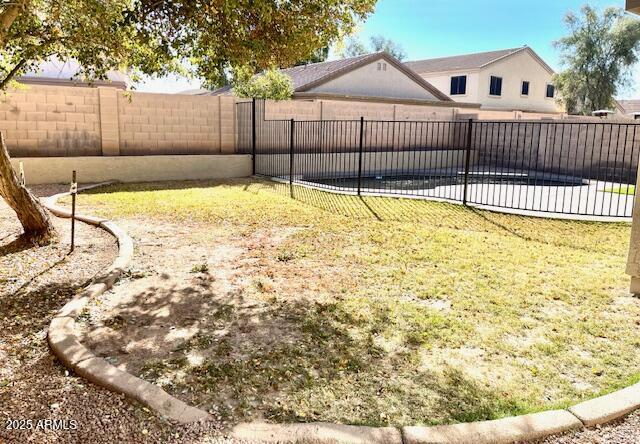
39, 170
369, 81
513, 70
442, 81
47, 121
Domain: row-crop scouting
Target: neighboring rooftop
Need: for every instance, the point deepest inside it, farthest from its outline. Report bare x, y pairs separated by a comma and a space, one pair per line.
196, 92
629, 106
468, 61
57, 72
306, 77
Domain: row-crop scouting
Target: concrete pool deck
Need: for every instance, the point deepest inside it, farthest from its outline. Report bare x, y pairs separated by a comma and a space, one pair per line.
589, 202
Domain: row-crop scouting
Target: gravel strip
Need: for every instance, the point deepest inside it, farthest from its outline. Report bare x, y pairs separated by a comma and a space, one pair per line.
624, 431
35, 389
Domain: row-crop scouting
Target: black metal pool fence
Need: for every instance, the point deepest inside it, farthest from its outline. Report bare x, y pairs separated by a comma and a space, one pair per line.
568, 167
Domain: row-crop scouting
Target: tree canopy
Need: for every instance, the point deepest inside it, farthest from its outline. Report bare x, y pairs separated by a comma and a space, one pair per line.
272, 84
354, 47
380, 43
158, 37
318, 56
207, 39
597, 56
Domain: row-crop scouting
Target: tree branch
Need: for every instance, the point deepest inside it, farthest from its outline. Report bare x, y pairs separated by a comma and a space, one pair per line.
7, 17
12, 73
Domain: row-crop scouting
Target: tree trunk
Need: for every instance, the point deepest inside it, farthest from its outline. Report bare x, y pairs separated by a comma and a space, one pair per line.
32, 215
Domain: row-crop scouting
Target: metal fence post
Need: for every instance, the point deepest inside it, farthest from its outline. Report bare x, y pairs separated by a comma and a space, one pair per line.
360, 155
73, 192
253, 137
291, 158
467, 161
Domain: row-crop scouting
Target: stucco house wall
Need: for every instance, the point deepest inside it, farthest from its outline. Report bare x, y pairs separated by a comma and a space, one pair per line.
442, 81
369, 80
514, 70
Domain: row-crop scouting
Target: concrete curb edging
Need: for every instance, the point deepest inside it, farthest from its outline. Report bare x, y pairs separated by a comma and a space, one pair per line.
608, 407
316, 433
65, 344
506, 430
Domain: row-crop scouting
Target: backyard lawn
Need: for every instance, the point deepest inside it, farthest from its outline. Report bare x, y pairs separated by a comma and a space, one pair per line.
624, 189
372, 311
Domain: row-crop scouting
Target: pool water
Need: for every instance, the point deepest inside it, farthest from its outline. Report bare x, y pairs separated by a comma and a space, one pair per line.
422, 182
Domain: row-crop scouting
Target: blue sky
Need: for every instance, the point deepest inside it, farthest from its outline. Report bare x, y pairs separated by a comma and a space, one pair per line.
435, 28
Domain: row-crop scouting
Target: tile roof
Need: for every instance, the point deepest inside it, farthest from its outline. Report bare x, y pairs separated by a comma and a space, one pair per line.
630, 106
305, 77
466, 61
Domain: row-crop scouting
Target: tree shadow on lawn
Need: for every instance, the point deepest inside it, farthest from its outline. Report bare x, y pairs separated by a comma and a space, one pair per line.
286, 360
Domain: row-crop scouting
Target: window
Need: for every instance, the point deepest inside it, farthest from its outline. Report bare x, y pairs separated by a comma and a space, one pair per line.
551, 91
382, 66
458, 85
525, 88
495, 86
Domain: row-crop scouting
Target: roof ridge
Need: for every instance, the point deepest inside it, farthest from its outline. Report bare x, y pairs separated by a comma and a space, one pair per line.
332, 61
504, 56
510, 51
478, 60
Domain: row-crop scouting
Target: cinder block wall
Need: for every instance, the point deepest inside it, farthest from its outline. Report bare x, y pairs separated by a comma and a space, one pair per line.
388, 126
171, 124
49, 121
602, 150
348, 110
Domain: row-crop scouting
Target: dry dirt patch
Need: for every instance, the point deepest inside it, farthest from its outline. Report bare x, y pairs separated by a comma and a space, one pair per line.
195, 291
34, 284
374, 311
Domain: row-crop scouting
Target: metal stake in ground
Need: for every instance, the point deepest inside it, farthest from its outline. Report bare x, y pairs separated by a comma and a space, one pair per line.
23, 180
73, 191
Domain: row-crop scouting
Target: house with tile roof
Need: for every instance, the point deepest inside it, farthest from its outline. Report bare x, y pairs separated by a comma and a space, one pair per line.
377, 76
510, 79
628, 108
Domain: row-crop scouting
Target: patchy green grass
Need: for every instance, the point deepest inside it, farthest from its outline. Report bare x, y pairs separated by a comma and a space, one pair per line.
384, 311
629, 190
